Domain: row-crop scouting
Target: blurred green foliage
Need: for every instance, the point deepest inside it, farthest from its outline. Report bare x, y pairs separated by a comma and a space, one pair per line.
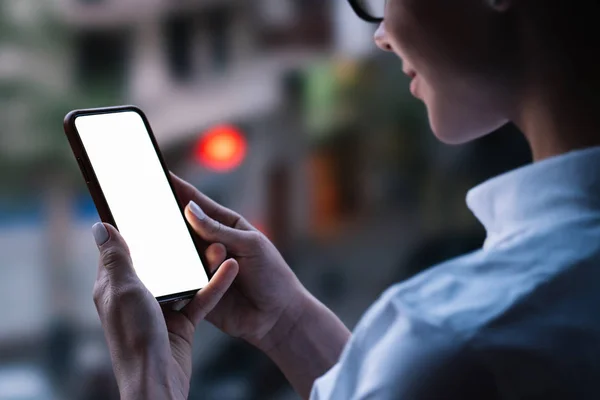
35, 95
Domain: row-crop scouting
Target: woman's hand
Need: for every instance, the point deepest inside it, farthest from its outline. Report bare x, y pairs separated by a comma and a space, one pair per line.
150, 346
267, 299
266, 305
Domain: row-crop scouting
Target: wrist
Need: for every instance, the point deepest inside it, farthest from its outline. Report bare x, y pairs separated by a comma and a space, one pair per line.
145, 391
143, 379
289, 321
306, 342
145, 388
305, 322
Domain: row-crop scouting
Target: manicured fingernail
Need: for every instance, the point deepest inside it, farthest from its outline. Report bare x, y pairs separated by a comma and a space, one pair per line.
197, 211
100, 233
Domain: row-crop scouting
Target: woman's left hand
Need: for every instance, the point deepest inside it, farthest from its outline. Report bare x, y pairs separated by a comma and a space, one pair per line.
150, 346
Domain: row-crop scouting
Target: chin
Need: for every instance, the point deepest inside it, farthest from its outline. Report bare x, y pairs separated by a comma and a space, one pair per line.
452, 139
455, 131
460, 118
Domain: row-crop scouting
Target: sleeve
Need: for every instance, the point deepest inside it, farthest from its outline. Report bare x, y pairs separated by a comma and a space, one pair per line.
394, 355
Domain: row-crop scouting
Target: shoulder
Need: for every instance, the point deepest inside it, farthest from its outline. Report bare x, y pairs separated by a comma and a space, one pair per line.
418, 338
397, 353
457, 296
464, 294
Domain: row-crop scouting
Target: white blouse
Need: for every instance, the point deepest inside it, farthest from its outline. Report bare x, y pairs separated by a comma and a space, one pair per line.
518, 319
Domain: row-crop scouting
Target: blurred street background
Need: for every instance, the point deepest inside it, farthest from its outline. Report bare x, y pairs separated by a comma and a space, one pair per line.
331, 157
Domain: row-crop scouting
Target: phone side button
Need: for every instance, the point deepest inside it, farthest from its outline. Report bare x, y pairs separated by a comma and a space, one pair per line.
83, 170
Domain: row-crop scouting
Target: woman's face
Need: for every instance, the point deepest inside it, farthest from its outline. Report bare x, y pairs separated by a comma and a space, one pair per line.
458, 54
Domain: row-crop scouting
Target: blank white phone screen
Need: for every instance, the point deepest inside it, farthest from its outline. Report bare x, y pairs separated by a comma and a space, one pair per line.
141, 201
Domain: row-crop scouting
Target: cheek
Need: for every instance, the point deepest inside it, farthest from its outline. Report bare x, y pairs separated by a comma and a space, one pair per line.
441, 34
419, 30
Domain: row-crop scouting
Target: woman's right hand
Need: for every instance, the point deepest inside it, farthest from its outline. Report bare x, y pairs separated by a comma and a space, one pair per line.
266, 299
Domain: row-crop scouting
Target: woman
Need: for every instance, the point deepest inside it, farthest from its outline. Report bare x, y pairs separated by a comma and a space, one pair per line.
517, 319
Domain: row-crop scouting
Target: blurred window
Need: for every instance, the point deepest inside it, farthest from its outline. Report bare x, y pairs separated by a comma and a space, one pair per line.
219, 31
277, 13
102, 58
179, 40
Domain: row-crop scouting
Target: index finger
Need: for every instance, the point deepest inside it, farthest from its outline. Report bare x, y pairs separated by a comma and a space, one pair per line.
187, 192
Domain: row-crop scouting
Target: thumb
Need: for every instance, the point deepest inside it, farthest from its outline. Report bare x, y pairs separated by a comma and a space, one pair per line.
208, 297
115, 260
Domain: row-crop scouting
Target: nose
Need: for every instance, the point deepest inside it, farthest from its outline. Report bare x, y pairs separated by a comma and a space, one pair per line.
381, 39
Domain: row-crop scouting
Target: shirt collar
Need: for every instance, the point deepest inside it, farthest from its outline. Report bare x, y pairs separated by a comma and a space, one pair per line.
546, 192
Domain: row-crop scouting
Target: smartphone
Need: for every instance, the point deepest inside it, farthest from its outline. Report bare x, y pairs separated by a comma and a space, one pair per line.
132, 190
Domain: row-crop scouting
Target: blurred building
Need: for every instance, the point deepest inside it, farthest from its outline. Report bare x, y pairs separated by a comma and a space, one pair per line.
341, 170
264, 66
193, 64
189, 65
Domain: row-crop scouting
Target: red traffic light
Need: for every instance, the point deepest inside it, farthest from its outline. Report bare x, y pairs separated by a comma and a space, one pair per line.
221, 148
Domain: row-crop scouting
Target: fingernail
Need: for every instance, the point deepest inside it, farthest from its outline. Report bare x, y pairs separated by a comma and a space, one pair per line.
197, 211
100, 233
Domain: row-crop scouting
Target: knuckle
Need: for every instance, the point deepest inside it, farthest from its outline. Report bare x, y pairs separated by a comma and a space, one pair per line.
130, 322
114, 256
255, 239
99, 293
255, 242
109, 298
130, 293
238, 220
214, 227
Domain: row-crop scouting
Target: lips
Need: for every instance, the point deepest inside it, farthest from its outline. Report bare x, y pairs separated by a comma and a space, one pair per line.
410, 73
414, 87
